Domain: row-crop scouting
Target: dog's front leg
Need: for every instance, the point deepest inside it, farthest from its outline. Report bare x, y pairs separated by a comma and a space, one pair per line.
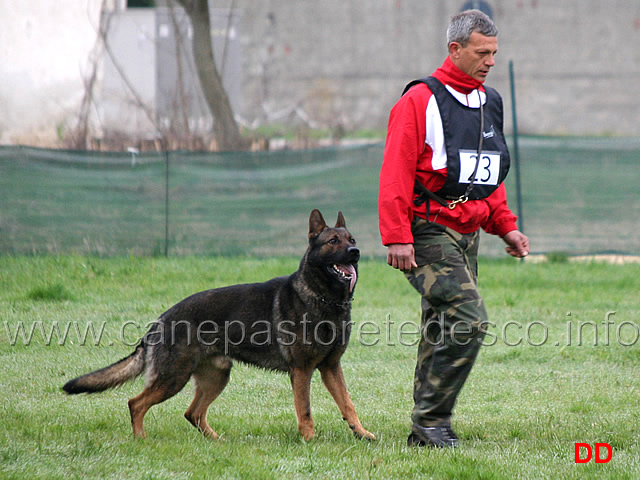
301, 383
333, 379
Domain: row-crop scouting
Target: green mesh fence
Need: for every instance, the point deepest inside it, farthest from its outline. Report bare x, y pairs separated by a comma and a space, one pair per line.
579, 196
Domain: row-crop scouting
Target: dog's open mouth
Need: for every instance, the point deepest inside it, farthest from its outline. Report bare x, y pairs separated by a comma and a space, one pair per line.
346, 273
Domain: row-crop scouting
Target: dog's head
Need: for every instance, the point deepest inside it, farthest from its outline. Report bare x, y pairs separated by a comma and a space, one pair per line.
333, 250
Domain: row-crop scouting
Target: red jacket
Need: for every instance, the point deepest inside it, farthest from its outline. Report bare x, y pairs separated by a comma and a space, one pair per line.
415, 149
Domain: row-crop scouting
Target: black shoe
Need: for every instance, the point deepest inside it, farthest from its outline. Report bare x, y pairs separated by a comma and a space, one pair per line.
442, 436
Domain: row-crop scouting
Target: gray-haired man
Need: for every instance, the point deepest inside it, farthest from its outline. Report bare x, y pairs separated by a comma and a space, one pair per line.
441, 181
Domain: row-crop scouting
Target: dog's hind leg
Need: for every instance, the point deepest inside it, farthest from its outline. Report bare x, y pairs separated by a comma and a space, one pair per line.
301, 383
160, 389
333, 379
210, 378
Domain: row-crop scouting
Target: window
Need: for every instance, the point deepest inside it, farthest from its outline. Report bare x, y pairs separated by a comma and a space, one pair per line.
141, 3
481, 5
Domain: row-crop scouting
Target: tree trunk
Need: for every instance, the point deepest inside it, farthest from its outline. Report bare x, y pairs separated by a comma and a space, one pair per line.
225, 127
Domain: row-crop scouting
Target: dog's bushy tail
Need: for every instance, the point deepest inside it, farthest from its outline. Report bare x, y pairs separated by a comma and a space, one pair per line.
109, 377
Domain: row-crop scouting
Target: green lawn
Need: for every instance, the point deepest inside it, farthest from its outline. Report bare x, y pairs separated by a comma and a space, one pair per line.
539, 386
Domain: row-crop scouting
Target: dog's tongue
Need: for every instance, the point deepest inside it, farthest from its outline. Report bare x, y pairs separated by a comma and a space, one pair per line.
350, 270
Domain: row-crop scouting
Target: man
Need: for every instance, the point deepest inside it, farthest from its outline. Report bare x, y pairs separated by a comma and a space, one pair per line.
436, 192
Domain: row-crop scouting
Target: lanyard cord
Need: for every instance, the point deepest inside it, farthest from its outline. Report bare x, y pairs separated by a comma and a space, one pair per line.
465, 197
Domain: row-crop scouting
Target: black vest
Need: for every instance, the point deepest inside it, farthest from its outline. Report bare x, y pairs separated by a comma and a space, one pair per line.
461, 125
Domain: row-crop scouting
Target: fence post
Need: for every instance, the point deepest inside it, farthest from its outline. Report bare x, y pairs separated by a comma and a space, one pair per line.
166, 204
516, 149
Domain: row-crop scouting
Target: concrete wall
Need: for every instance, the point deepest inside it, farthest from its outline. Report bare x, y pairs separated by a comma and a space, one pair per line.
132, 41
45, 53
342, 64
346, 61
143, 44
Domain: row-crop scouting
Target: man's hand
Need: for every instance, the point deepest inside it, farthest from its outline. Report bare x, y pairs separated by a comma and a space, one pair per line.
402, 256
517, 244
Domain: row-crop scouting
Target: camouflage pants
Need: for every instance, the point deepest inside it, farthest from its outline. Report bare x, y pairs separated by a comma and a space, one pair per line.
453, 318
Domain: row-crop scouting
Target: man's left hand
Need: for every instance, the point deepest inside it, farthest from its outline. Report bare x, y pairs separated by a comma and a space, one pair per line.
517, 244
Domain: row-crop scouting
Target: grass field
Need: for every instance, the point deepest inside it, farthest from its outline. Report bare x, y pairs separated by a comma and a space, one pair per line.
539, 386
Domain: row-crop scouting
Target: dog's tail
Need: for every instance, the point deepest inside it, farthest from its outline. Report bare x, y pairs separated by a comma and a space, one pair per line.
109, 377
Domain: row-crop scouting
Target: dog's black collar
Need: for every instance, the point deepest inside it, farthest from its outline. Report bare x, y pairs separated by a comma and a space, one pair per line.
335, 304
320, 298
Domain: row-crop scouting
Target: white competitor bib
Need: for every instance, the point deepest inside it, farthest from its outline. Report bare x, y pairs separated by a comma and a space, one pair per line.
488, 169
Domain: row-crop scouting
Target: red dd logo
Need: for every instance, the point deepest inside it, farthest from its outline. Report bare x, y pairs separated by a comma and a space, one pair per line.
593, 453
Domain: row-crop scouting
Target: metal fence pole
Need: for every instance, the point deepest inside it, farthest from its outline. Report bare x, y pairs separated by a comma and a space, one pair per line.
166, 205
516, 149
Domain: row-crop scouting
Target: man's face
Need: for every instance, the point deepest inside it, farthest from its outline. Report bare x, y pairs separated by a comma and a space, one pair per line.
477, 57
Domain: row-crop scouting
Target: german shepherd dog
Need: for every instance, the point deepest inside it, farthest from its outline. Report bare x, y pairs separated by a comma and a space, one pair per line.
293, 324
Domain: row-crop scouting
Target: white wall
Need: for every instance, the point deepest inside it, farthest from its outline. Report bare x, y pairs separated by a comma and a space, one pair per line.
45, 47
346, 62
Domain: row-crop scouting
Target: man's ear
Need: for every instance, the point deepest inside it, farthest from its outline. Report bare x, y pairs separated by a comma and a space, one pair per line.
316, 223
454, 50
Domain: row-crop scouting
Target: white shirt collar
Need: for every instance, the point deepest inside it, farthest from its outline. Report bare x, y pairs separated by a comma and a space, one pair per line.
470, 100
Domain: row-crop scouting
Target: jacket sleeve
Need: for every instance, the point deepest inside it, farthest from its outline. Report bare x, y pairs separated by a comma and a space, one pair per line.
404, 144
501, 220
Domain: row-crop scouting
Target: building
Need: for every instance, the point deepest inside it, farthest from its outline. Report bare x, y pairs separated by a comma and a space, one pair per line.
338, 65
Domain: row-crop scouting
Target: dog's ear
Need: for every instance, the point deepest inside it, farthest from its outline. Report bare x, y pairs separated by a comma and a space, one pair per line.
341, 223
316, 224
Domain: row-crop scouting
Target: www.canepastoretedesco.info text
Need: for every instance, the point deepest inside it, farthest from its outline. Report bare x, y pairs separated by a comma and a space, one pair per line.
389, 332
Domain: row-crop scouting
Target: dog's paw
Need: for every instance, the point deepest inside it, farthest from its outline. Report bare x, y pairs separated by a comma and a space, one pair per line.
359, 431
307, 434
369, 436
364, 435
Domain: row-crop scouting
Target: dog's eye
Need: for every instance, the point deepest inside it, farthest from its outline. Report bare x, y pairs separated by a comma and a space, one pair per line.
352, 241
333, 241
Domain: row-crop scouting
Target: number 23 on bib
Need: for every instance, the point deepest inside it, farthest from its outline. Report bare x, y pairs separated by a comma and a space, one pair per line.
488, 171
